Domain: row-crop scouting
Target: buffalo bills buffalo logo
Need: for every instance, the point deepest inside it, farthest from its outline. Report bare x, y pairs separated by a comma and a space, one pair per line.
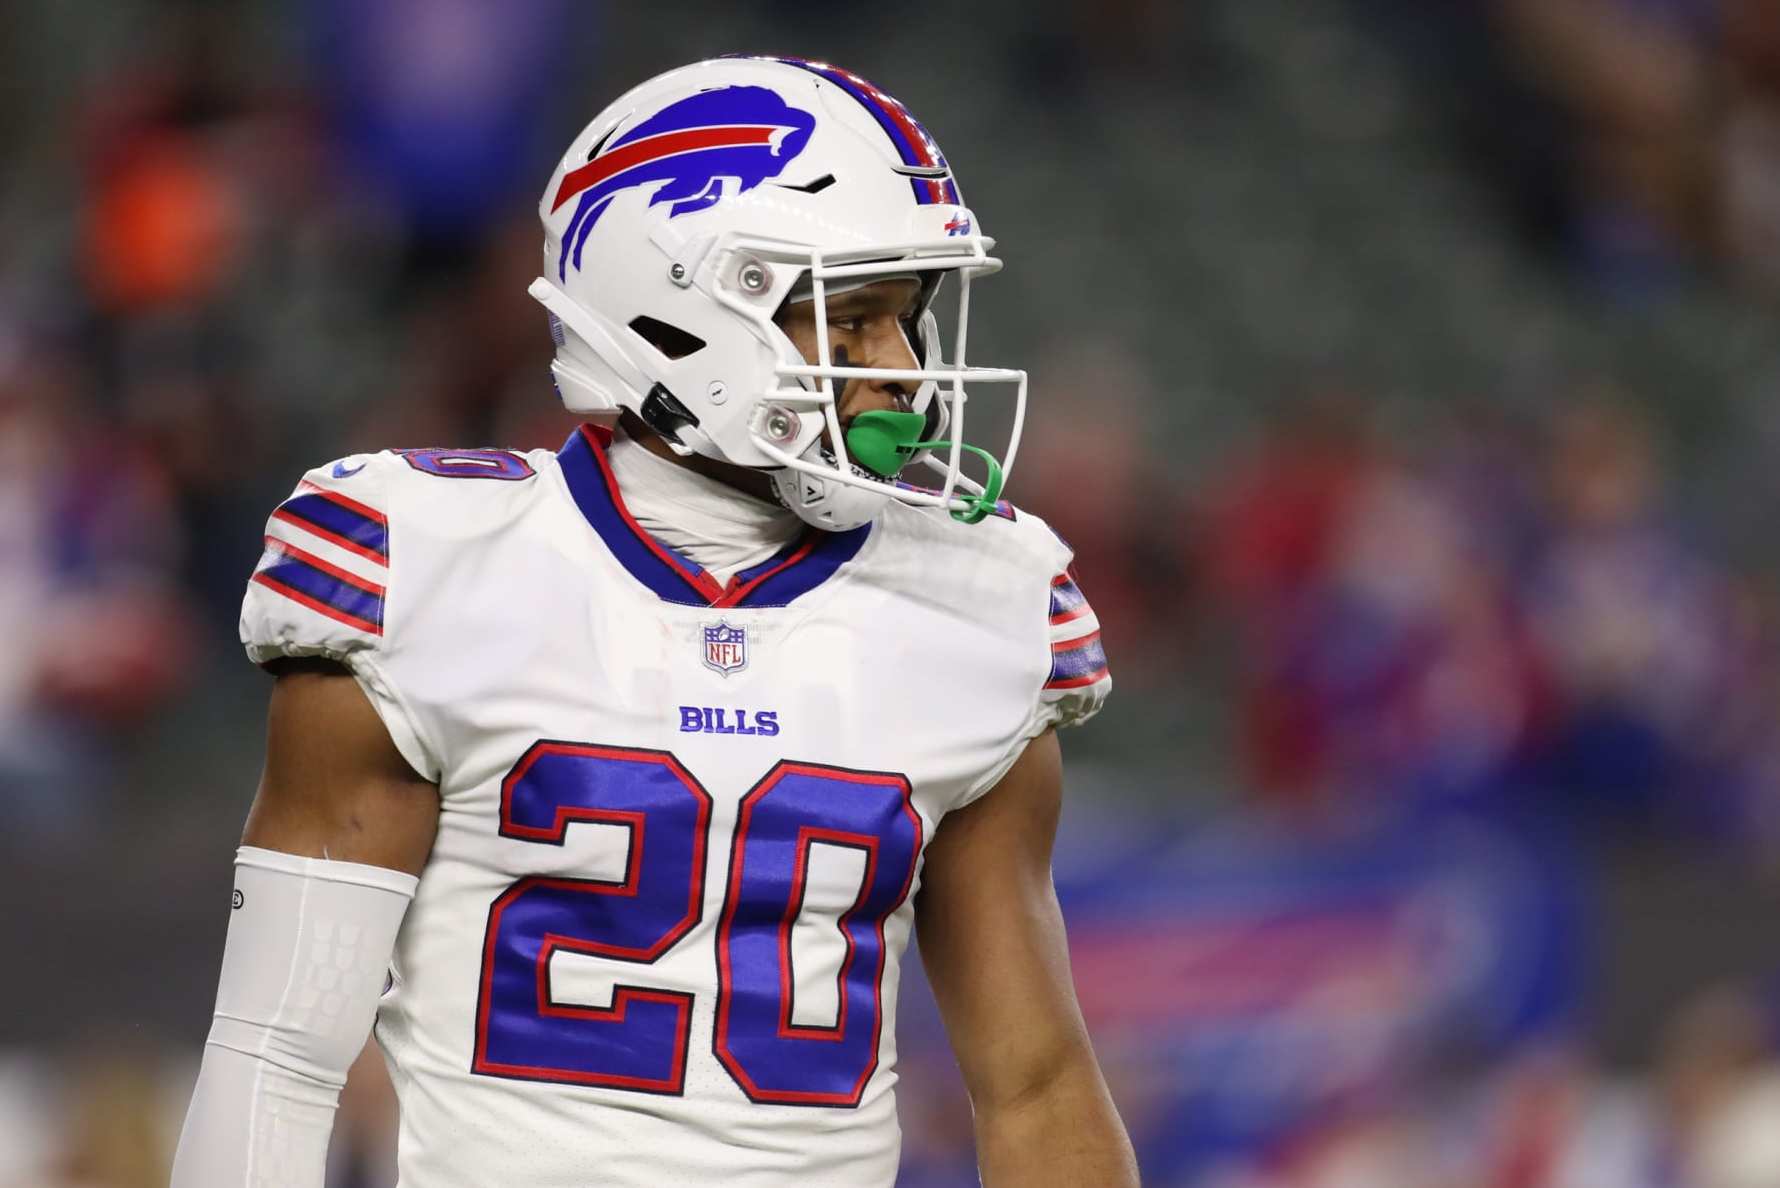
686, 149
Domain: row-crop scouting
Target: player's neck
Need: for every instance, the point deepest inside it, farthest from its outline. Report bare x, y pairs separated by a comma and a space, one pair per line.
707, 520
749, 482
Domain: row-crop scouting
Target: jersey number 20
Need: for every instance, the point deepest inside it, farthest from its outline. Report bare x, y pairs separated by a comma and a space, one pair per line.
640, 1041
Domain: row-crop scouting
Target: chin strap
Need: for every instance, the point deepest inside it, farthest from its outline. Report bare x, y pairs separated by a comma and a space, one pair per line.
883, 442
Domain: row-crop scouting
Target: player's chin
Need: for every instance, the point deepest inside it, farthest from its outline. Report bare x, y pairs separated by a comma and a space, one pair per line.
853, 467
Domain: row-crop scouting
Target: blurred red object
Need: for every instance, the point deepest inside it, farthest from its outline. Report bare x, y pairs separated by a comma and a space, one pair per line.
113, 656
89, 526
163, 227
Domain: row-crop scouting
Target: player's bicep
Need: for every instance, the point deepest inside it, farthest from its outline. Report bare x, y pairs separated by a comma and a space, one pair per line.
334, 784
991, 933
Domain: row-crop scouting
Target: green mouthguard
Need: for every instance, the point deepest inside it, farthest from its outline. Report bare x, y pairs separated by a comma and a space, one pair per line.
884, 441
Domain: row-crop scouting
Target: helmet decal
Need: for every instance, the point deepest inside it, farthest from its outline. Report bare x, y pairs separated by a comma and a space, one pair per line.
740, 132
807, 174
913, 142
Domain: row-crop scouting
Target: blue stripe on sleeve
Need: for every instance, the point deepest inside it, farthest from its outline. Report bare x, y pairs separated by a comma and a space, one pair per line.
358, 605
338, 520
1079, 663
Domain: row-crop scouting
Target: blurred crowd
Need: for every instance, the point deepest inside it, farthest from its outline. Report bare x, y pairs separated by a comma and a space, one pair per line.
1490, 614
1338, 618
1671, 126
1636, 141
1504, 619
252, 272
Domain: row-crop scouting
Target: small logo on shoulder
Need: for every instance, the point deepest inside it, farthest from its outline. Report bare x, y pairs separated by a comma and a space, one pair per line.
725, 648
341, 470
236, 900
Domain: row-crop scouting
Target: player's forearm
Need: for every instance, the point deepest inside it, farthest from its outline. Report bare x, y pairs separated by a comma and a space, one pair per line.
252, 1122
1063, 1133
308, 946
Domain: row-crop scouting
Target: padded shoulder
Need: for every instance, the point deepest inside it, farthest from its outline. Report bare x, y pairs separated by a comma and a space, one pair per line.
322, 583
1007, 581
1014, 574
1077, 679
348, 555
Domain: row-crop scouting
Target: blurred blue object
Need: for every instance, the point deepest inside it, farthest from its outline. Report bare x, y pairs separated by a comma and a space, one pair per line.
1245, 986
444, 102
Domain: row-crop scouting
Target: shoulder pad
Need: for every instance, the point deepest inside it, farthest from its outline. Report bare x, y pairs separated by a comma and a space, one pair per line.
321, 585
1079, 679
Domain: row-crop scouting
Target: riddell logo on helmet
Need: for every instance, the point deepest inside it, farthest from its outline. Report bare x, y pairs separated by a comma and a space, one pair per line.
745, 133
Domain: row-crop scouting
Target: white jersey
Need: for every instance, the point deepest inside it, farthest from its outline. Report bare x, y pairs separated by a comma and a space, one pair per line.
658, 938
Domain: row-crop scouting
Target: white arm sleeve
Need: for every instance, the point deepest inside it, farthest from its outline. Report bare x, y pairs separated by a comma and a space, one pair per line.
305, 962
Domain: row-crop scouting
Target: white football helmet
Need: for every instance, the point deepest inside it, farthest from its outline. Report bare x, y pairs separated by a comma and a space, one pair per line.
689, 211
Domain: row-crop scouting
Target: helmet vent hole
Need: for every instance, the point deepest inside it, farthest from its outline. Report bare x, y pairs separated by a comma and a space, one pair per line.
601, 142
812, 187
671, 341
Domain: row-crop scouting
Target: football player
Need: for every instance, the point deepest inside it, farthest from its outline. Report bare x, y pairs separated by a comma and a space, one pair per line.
611, 783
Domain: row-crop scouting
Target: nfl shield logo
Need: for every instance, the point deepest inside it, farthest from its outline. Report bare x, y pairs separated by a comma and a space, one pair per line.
726, 648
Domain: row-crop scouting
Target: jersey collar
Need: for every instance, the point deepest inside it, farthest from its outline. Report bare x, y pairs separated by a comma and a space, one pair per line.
793, 571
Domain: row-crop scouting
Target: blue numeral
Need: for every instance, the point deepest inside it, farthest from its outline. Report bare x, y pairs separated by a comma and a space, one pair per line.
482, 464
640, 1041
797, 806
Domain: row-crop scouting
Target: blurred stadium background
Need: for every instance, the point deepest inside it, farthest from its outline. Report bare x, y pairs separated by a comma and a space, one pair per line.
1405, 373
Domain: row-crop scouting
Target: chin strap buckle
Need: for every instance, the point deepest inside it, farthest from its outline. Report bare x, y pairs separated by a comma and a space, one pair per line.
662, 411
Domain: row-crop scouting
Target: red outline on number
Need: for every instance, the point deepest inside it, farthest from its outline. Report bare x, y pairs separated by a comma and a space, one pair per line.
720, 1030
806, 836
622, 995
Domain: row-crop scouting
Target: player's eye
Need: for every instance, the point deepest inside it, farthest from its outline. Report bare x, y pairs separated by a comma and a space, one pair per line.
852, 325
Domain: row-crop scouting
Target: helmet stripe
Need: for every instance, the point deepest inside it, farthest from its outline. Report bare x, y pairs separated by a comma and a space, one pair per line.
915, 144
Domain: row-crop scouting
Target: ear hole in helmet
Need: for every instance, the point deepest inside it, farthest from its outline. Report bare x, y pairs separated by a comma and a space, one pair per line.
913, 326
671, 341
934, 419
